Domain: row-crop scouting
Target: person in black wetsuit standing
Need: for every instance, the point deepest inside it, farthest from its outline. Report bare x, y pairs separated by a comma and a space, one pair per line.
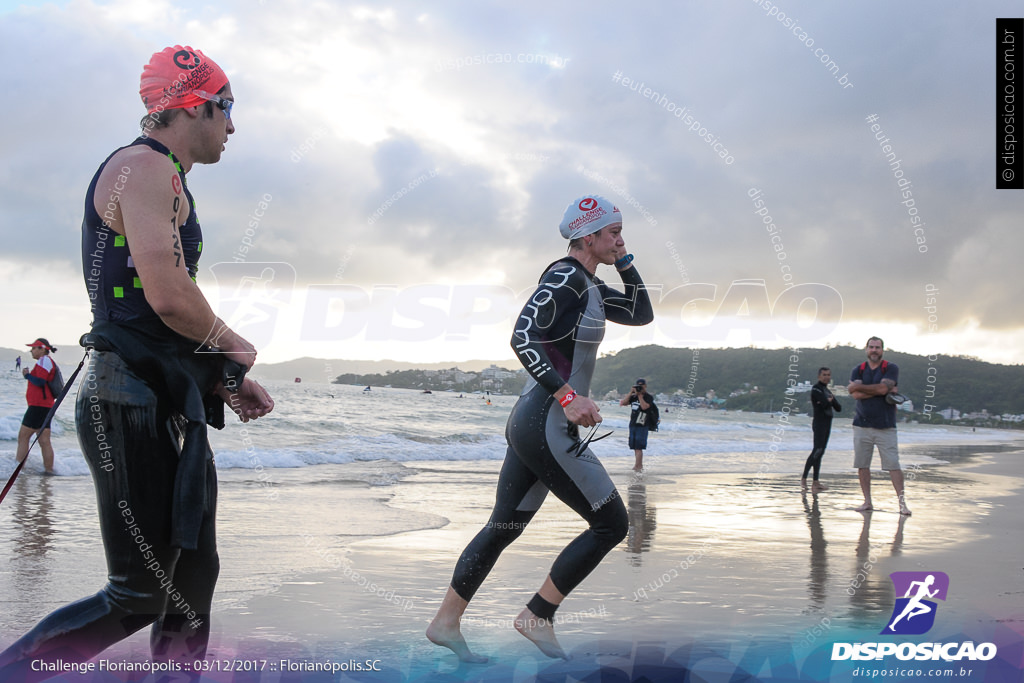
556, 338
823, 403
156, 377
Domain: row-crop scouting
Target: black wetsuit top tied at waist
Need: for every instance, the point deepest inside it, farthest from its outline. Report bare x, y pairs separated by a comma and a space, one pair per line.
180, 372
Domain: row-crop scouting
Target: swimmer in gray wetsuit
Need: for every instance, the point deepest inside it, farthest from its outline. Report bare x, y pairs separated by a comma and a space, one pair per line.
556, 338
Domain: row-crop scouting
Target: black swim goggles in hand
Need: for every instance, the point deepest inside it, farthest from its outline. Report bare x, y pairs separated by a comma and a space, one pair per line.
581, 444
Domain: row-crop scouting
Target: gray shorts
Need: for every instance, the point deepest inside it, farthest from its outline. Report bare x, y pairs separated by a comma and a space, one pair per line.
864, 441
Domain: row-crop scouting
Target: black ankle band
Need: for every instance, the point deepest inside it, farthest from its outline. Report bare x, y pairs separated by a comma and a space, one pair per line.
542, 608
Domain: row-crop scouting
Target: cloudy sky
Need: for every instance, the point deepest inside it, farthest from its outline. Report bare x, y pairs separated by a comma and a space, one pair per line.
401, 168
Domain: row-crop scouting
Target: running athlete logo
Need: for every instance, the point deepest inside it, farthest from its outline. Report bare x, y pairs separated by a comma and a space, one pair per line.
914, 613
251, 296
587, 204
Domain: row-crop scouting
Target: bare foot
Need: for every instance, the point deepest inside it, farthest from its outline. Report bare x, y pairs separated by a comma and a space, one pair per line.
450, 636
904, 510
803, 484
540, 633
866, 507
816, 486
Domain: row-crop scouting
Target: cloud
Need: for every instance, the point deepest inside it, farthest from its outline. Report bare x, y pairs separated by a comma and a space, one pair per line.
442, 144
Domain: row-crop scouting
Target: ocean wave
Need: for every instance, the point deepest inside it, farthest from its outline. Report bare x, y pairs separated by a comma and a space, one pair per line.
10, 425
310, 428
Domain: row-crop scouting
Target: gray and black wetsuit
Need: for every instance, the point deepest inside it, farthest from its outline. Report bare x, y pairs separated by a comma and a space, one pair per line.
556, 338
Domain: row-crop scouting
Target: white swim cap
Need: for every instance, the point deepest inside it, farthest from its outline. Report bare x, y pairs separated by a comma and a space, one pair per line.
587, 215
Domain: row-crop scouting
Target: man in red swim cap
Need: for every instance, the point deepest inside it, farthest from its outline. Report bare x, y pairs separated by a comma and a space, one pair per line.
173, 76
181, 81
162, 366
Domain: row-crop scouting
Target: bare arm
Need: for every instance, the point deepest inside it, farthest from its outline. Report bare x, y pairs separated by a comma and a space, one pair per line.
152, 206
859, 390
252, 401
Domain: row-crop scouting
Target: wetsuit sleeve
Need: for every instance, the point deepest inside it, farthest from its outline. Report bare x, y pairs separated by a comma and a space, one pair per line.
818, 398
836, 406
38, 381
547, 322
632, 307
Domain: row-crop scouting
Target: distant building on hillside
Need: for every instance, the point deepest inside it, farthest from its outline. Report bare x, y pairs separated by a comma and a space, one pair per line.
494, 372
802, 388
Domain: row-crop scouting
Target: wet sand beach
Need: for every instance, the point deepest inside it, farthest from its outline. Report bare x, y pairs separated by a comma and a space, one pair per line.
726, 573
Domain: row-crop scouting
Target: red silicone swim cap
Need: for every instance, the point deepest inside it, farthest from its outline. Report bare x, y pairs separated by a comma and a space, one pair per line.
171, 76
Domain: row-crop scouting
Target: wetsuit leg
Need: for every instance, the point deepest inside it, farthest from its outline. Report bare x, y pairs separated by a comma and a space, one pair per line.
517, 500
608, 525
813, 460
174, 634
132, 449
821, 434
537, 461
579, 481
822, 430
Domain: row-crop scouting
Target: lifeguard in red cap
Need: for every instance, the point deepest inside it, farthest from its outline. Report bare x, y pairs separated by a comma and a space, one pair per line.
163, 366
